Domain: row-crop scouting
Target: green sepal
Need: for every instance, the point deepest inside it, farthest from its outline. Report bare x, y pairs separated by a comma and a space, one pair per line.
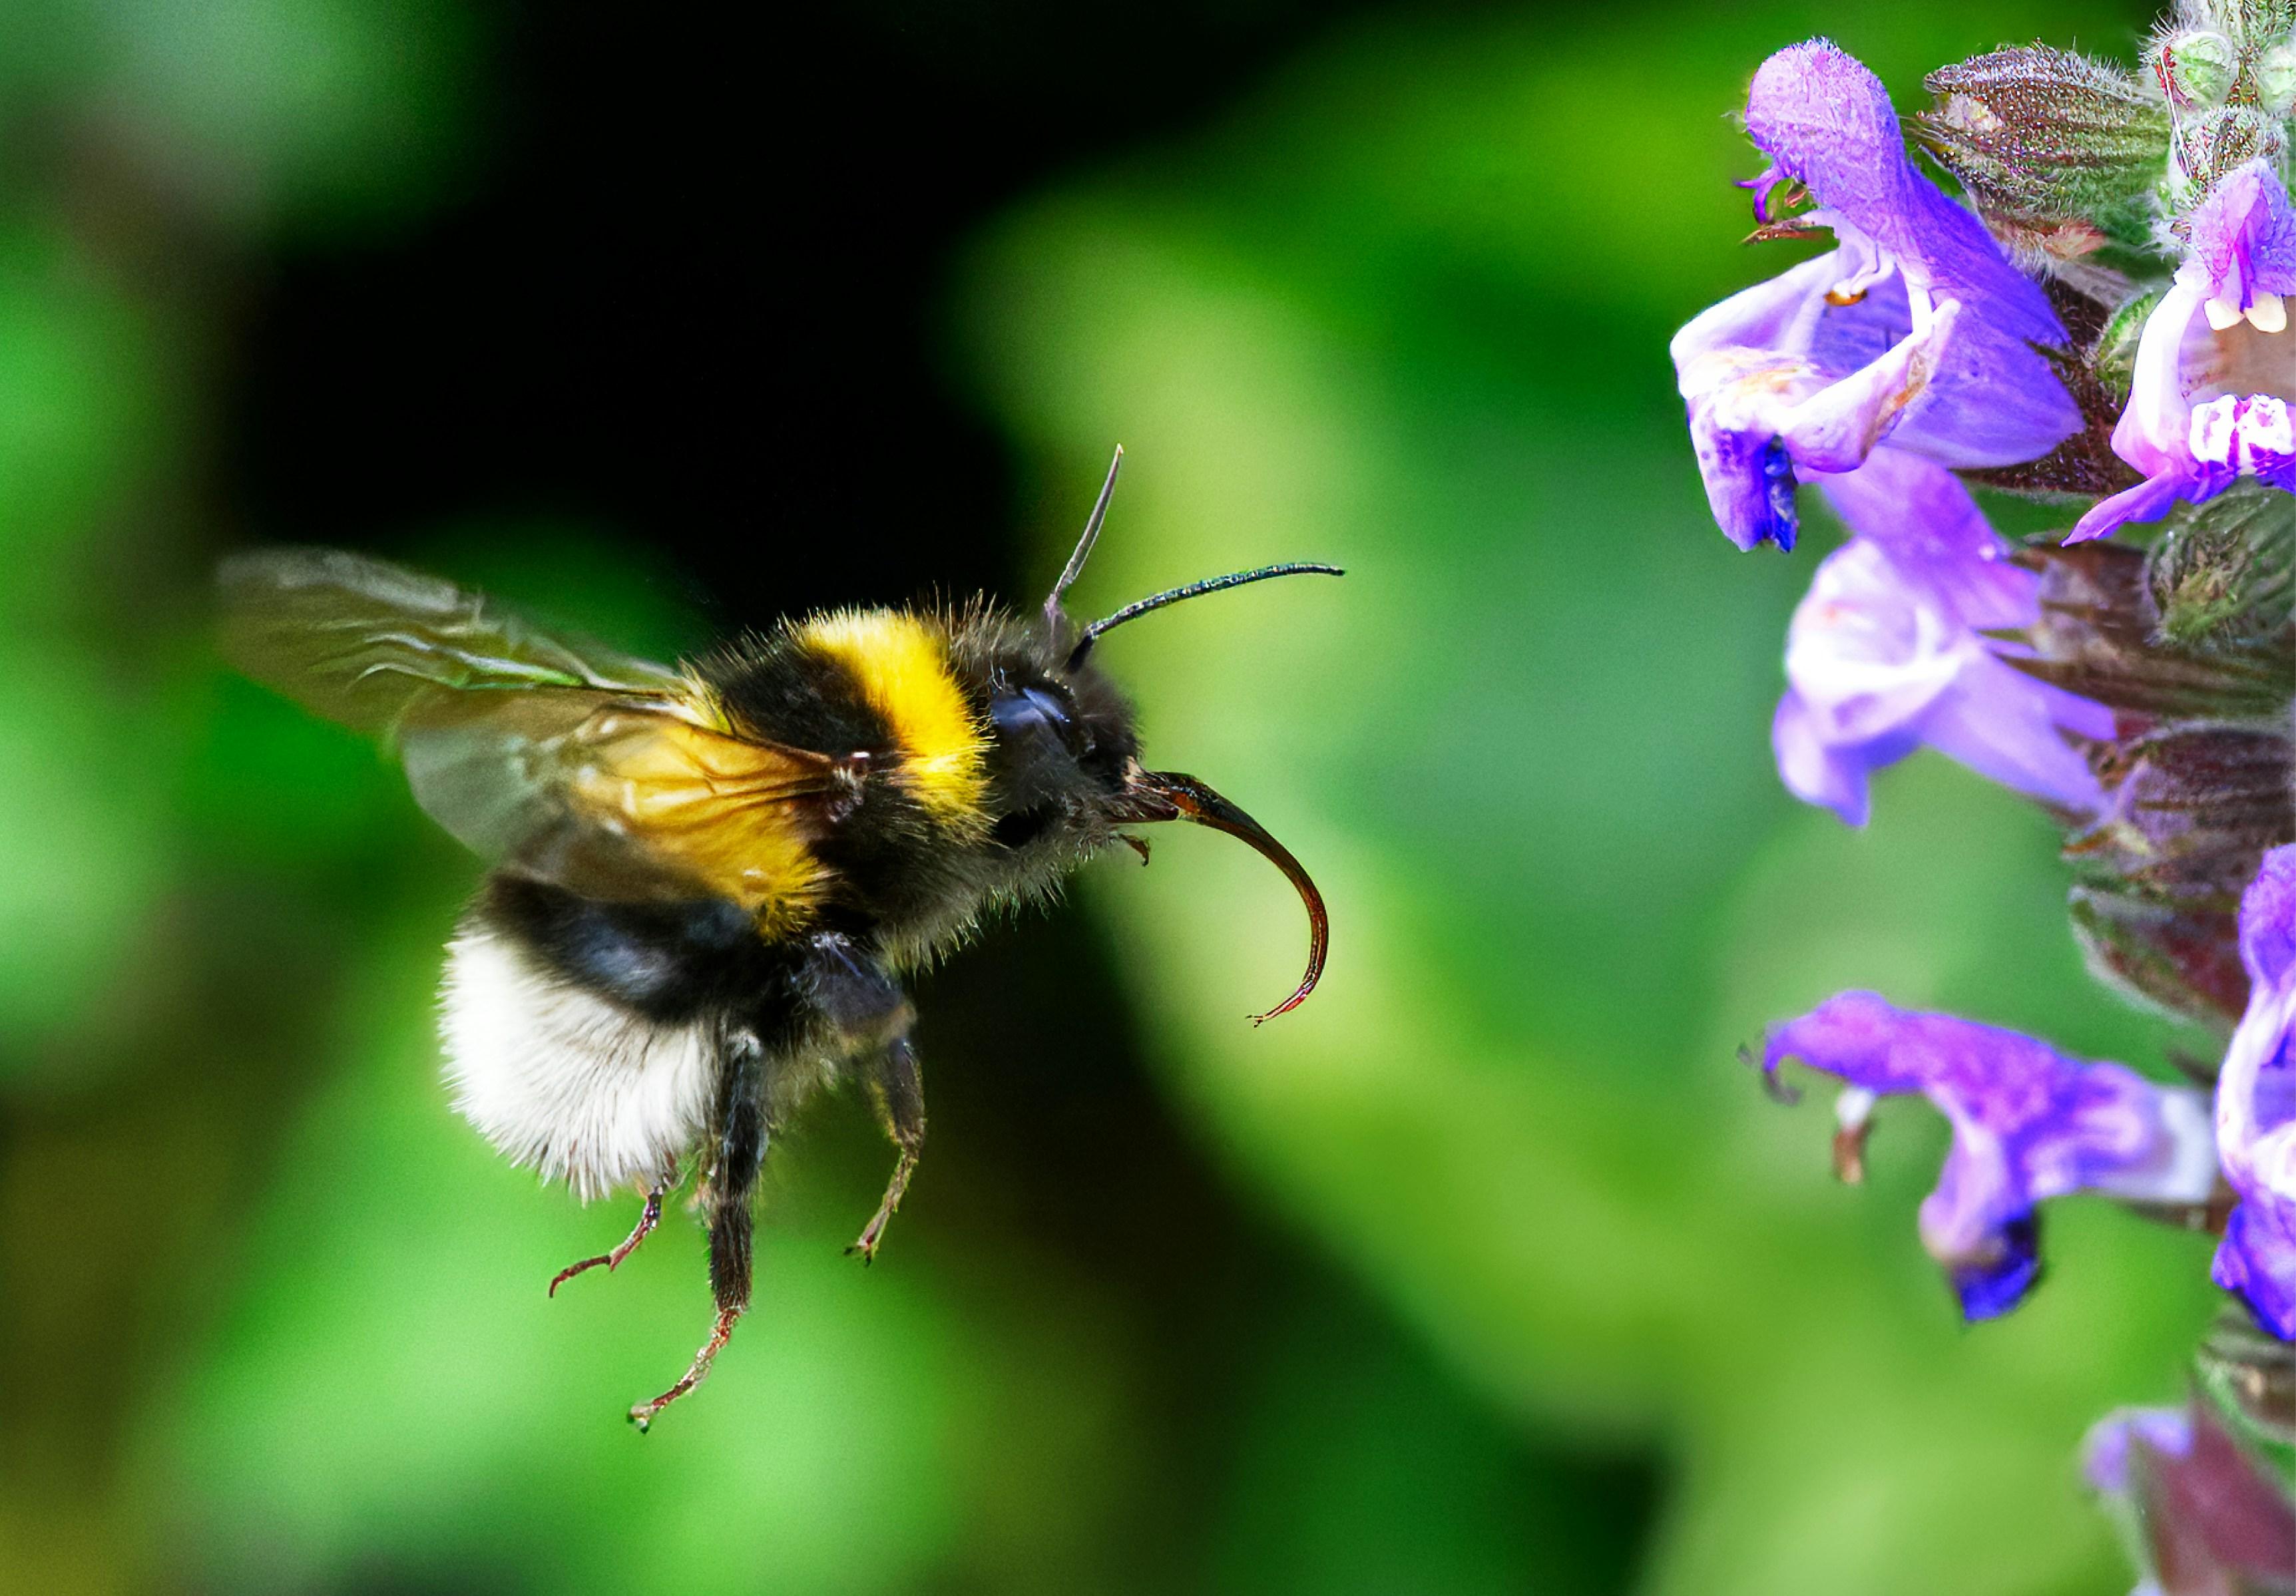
2046, 141
2247, 1380
2224, 573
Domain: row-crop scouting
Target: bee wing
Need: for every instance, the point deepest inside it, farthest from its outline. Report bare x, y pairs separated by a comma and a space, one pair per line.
607, 773
363, 642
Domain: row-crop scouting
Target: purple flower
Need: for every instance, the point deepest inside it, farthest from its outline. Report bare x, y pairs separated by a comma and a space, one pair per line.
2256, 1106
2105, 1451
2028, 1122
2199, 1513
1884, 654
1914, 330
2215, 364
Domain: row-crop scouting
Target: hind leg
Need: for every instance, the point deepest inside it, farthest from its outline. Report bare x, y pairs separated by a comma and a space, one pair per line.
737, 1155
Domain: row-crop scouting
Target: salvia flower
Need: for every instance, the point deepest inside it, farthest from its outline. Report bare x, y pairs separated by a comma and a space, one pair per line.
1886, 655
2028, 1124
2146, 695
2256, 1106
1916, 332
2199, 1513
2216, 365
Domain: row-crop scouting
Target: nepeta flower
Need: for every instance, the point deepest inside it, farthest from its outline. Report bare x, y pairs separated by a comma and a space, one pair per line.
2216, 363
2256, 1106
1885, 653
1916, 330
2028, 1124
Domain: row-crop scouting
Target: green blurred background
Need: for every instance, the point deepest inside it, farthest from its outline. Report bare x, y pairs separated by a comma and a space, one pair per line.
1489, 1270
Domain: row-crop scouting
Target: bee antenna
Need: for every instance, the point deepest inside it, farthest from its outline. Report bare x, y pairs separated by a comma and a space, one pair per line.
1075, 566
1194, 590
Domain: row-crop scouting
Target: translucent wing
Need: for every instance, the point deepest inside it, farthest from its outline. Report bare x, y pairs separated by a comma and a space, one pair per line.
611, 774
363, 642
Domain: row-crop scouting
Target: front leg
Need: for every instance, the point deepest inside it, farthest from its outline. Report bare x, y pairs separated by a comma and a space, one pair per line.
868, 1017
900, 1095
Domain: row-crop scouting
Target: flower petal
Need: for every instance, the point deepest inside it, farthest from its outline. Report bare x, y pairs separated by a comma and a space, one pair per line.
2242, 249
1828, 772
1928, 522
1836, 428
2256, 1106
1883, 654
2028, 1124
1916, 326
1826, 120
2009, 728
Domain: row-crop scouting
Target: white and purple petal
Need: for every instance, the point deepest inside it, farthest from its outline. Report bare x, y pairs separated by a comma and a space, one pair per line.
2028, 1124
2216, 364
1884, 654
2256, 1106
1916, 334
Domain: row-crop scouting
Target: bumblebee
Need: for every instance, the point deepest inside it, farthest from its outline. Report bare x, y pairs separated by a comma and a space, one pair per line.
708, 882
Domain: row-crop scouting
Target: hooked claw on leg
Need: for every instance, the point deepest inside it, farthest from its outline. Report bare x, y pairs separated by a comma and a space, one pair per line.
873, 1232
643, 1415
613, 1260
894, 1080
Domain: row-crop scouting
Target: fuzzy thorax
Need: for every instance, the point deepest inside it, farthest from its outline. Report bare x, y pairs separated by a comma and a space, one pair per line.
901, 664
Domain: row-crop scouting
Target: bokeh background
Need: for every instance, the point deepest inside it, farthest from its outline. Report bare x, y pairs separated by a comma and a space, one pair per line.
1489, 1270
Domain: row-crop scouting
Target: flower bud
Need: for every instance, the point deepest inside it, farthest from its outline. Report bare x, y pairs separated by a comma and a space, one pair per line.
2275, 77
2189, 648
2248, 1380
2221, 580
2044, 139
2197, 68
2202, 1512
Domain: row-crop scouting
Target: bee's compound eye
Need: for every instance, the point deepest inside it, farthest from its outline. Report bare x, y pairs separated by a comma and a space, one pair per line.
1030, 711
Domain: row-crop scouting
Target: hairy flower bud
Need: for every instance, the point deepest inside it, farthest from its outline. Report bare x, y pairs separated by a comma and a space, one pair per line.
2249, 1380
2226, 69
2050, 142
2190, 647
2223, 578
2275, 77
2198, 68
2201, 1512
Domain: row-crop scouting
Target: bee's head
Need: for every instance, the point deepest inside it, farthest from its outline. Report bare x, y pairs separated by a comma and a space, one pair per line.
1065, 760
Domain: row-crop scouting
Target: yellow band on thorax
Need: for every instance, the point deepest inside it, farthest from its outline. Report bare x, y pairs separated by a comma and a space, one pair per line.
900, 663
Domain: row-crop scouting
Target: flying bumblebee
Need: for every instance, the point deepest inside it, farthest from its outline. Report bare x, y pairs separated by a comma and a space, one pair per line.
708, 882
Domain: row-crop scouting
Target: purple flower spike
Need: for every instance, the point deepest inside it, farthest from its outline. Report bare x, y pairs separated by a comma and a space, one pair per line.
2216, 365
2028, 1124
2256, 1106
1916, 331
1884, 654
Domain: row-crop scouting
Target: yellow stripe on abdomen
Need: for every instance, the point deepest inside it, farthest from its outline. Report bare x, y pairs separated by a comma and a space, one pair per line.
900, 663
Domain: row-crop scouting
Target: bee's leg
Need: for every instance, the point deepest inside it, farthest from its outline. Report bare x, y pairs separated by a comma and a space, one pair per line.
648, 1219
900, 1097
738, 1153
864, 1009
